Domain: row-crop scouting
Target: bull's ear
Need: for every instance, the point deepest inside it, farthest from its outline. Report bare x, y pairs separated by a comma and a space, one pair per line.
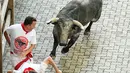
53, 20
78, 24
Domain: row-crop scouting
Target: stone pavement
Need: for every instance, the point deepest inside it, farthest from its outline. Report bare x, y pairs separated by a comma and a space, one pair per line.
106, 50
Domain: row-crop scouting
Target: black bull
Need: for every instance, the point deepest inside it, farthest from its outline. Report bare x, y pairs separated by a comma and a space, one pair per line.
71, 20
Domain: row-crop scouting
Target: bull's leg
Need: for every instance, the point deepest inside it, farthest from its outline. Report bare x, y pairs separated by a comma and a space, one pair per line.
55, 44
71, 42
97, 15
87, 30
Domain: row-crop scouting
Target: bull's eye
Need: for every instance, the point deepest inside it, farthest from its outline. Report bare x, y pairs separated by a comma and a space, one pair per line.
74, 27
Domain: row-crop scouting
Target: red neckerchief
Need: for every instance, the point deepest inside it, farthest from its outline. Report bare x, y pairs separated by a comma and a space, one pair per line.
26, 70
24, 28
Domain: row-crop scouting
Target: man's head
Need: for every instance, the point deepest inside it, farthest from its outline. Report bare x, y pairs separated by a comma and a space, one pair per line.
32, 71
29, 70
30, 23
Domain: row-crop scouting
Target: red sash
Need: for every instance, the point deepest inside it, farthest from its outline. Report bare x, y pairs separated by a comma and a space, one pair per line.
28, 56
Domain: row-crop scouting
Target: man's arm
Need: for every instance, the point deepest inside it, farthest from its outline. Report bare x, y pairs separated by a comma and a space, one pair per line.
7, 37
24, 53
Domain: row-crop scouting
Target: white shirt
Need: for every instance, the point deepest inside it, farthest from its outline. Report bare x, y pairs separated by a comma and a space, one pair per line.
39, 68
20, 40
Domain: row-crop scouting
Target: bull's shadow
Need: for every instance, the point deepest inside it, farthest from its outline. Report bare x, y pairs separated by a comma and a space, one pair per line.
80, 56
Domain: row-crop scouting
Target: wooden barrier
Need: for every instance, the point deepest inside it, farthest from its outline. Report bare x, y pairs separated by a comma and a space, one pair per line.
3, 12
11, 7
7, 5
7, 18
0, 43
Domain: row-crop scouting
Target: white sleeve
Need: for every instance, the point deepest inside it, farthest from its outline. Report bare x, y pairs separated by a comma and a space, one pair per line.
33, 40
43, 67
9, 29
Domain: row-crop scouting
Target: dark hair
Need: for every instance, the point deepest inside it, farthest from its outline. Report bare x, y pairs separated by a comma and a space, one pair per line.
28, 20
32, 71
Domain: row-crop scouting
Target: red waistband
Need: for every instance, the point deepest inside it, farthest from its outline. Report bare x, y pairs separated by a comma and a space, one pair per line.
28, 56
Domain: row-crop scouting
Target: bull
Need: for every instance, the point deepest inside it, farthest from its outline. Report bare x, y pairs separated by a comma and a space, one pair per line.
71, 19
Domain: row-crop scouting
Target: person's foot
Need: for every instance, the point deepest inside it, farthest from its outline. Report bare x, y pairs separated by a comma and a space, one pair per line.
52, 54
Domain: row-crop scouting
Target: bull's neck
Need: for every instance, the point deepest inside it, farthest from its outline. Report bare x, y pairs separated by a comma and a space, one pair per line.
64, 16
67, 14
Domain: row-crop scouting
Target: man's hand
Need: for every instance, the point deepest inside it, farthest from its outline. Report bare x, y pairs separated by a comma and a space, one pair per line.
23, 54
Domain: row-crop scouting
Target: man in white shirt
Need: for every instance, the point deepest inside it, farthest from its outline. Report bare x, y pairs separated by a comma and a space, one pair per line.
36, 68
21, 39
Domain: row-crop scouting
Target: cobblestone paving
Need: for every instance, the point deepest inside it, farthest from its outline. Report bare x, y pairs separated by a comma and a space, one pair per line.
106, 50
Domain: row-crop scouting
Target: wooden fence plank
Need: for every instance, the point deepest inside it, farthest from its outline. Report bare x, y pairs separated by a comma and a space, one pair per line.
7, 23
11, 7
6, 18
3, 12
0, 43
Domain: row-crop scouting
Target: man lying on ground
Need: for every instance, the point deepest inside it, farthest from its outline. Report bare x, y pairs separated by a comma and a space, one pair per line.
36, 68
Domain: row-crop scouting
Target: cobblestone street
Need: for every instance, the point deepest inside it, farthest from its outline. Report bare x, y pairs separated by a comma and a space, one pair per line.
106, 50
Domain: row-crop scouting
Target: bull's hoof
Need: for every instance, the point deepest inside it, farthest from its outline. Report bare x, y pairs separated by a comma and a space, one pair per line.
64, 50
86, 33
52, 55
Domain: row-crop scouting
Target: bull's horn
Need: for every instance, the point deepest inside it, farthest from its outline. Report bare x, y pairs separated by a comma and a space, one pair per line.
78, 24
52, 20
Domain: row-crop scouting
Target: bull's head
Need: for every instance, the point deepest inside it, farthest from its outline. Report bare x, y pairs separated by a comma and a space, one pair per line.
65, 28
